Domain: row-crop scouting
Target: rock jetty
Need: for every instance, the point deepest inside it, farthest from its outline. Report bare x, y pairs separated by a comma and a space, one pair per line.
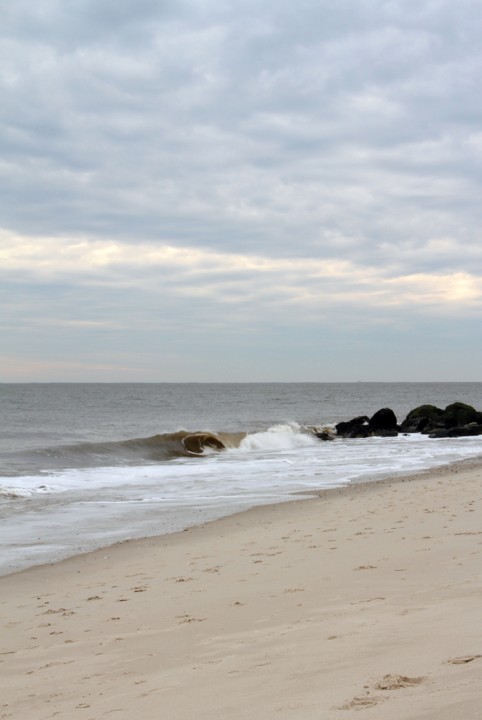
456, 420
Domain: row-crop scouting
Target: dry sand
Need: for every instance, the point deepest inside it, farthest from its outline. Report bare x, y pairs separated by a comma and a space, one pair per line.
365, 602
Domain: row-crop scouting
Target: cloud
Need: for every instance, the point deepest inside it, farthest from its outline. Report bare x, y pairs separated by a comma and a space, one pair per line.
293, 163
232, 278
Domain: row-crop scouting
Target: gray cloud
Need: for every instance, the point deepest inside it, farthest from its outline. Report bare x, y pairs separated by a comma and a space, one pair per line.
321, 131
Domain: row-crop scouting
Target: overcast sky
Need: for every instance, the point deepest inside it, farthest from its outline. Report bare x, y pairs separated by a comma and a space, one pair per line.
214, 190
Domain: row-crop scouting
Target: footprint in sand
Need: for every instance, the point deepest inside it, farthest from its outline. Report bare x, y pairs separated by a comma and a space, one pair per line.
387, 682
366, 567
65, 612
394, 682
184, 619
463, 660
361, 702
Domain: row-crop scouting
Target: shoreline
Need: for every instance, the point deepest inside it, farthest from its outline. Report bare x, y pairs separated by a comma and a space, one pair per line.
48, 518
352, 487
295, 610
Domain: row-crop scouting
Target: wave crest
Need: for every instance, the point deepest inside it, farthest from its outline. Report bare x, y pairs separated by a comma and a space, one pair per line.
280, 437
156, 448
161, 448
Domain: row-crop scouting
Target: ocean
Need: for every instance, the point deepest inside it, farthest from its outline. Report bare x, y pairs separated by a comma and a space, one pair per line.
83, 466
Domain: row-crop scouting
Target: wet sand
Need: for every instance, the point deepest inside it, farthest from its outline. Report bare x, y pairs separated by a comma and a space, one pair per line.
365, 602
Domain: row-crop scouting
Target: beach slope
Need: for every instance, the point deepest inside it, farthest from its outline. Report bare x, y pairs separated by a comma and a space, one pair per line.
365, 602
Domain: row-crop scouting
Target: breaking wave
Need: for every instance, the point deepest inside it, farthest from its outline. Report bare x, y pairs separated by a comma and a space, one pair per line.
53, 470
159, 448
280, 437
165, 446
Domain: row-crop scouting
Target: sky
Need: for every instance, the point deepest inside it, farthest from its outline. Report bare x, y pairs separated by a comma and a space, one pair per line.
220, 191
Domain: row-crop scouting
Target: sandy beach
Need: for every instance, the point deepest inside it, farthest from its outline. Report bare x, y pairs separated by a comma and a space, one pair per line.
366, 600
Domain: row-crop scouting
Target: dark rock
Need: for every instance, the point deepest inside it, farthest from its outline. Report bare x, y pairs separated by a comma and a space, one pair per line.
420, 418
458, 414
384, 419
457, 420
463, 431
385, 433
357, 427
360, 432
467, 430
440, 433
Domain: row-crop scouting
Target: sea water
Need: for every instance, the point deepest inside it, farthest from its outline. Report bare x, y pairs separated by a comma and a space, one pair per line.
85, 465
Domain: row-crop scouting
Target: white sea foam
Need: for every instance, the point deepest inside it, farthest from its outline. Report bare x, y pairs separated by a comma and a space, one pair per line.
288, 436
111, 503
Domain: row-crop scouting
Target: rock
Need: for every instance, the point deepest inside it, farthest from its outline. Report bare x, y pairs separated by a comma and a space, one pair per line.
457, 420
357, 427
440, 433
463, 431
455, 415
384, 420
421, 417
458, 414
385, 433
